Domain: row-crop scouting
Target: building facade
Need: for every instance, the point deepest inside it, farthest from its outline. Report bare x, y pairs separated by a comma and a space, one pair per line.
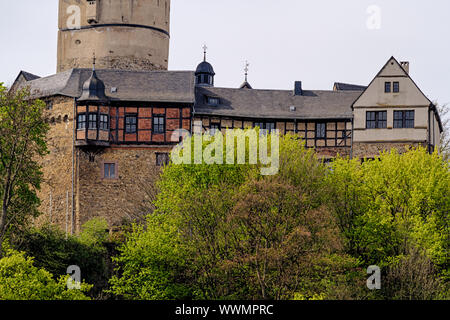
112, 122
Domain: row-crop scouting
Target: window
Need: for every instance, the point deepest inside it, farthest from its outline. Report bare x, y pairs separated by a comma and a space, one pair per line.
259, 125
213, 101
104, 125
131, 124
162, 159
92, 121
321, 130
376, 119
214, 128
207, 79
265, 127
49, 105
158, 124
81, 122
396, 87
270, 126
387, 87
109, 170
403, 119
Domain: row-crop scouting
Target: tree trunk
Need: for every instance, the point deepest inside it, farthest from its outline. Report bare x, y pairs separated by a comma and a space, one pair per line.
2, 227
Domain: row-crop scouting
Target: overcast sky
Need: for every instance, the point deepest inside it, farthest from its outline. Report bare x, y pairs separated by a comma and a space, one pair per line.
318, 42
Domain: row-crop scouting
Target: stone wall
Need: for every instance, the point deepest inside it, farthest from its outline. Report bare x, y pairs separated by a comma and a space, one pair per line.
124, 198
372, 150
130, 35
57, 165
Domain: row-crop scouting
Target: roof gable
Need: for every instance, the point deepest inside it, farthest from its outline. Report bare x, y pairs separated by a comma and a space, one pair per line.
410, 94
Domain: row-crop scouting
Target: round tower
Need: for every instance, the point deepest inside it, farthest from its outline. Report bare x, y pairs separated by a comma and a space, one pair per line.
123, 34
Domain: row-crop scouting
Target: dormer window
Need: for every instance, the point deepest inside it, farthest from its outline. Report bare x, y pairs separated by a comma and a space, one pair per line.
211, 101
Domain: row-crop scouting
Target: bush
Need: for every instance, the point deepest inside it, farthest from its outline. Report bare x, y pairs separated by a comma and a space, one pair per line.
21, 280
54, 252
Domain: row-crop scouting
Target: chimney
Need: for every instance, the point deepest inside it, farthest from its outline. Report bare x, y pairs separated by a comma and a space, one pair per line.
405, 65
298, 91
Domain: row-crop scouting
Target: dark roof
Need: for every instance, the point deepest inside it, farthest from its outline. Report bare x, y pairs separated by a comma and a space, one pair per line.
93, 89
148, 86
28, 76
339, 86
205, 67
273, 104
245, 85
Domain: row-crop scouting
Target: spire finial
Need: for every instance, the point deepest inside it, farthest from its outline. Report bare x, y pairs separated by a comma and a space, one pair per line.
93, 61
205, 48
246, 70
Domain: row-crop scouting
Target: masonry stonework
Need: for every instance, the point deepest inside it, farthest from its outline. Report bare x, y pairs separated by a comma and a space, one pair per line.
56, 187
124, 35
373, 150
123, 198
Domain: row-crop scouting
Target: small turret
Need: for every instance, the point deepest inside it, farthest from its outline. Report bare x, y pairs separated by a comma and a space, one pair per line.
204, 73
93, 89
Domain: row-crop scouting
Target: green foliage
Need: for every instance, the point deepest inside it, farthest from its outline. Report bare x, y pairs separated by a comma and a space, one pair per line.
21, 280
22, 142
394, 203
151, 261
51, 250
94, 233
226, 232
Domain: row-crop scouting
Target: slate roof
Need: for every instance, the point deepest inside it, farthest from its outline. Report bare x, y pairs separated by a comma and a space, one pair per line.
179, 87
348, 87
28, 76
276, 104
205, 67
147, 86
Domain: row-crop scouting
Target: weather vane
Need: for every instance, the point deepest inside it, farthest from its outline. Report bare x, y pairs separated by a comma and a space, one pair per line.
205, 48
246, 69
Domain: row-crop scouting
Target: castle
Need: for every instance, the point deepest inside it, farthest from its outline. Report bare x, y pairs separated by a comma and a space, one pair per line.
112, 118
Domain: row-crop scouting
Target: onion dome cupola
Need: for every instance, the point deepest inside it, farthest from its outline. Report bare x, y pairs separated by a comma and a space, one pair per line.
204, 74
93, 89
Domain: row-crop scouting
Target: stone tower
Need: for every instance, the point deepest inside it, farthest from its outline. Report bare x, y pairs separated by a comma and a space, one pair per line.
123, 34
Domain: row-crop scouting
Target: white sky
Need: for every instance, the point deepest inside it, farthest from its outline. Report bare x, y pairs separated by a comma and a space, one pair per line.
318, 42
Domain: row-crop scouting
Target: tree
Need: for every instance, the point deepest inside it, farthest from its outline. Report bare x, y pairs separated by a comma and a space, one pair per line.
22, 141
413, 277
21, 280
54, 252
278, 238
151, 263
393, 203
227, 232
444, 149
